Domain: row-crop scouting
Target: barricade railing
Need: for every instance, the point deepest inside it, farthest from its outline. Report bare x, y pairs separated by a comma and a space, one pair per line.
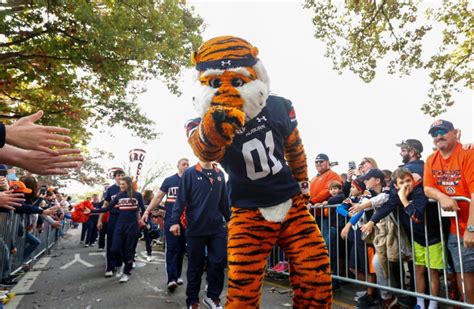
29, 243
401, 281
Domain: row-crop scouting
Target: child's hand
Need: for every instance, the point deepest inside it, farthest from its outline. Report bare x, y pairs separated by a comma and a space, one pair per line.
368, 227
403, 192
345, 231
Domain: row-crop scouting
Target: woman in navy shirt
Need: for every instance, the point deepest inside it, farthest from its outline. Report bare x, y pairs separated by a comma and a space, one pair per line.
129, 203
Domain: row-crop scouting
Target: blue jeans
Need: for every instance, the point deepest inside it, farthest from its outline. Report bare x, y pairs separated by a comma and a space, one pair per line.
32, 242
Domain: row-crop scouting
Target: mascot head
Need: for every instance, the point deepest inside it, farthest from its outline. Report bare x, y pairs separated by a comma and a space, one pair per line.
229, 74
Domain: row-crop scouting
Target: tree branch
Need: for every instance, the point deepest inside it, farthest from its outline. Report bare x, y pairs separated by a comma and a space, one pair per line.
24, 39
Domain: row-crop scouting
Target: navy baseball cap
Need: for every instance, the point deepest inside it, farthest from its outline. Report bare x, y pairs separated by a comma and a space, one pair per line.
321, 157
375, 173
413, 144
441, 124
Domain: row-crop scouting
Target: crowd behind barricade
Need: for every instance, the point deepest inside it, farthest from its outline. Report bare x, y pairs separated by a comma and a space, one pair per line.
385, 228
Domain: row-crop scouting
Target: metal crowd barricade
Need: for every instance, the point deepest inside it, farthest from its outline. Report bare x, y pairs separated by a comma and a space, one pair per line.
13, 230
327, 227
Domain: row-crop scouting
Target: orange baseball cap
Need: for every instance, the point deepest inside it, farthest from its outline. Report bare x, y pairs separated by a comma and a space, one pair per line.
19, 186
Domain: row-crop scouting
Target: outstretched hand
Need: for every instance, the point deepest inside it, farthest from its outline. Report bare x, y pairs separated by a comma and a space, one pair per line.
43, 163
25, 134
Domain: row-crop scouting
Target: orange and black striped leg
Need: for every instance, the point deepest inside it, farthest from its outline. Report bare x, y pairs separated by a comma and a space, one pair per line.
251, 238
304, 246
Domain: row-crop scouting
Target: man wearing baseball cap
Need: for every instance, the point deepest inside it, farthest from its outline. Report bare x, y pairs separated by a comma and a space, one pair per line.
410, 151
449, 172
319, 188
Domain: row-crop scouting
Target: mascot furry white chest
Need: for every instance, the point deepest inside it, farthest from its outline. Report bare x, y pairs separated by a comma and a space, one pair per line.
254, 136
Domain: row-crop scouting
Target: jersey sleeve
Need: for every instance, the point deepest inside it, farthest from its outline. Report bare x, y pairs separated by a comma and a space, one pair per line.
191, 126
165, 186
290, 122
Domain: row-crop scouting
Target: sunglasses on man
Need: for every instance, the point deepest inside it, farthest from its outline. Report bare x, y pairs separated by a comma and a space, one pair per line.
441, 132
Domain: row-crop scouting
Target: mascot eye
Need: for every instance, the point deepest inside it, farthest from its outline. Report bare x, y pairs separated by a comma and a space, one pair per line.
237, 82
215, 83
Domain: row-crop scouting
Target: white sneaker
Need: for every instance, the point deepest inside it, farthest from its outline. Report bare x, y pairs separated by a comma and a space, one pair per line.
124, 278
109, 274
119, 272
149, 259
179, 281
211, 304
172, 286
134, 265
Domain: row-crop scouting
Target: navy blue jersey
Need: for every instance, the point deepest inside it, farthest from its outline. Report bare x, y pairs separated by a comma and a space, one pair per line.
170, 186
126, 207
110, 194
203, 193
255, 161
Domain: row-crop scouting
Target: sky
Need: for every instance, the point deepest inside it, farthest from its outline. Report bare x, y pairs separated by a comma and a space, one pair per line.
339, 115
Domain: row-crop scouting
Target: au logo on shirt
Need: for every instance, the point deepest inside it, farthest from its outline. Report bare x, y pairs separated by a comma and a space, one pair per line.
450, 190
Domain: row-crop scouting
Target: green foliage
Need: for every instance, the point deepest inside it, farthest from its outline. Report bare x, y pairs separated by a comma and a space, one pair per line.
359, 34
79, 60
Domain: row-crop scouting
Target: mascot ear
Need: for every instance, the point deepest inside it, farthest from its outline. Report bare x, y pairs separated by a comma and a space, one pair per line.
254, 52
194, 58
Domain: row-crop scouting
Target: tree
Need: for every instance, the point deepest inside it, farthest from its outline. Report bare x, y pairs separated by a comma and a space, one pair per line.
359, 34
80, 60
148, 177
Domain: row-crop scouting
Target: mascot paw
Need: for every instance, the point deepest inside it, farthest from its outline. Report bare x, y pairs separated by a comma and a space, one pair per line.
220, 124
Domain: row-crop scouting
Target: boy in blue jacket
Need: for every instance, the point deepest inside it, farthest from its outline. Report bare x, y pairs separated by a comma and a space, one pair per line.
203, 193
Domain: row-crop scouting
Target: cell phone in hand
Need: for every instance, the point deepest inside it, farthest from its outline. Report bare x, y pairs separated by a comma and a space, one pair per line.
43, 190
352, 165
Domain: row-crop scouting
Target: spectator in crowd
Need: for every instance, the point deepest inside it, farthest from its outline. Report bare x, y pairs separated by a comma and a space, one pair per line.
449, 171
374, 181
408, 196
128, 203
365, 165
410, 151
388, 176
337, 197
319, 187
85, 225
175, 245
319, 193
203, 193
110, 194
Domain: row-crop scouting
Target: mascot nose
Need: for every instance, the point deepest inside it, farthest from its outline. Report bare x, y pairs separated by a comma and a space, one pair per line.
228, 96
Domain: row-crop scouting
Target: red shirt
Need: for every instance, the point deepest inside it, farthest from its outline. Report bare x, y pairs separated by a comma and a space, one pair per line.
454, 176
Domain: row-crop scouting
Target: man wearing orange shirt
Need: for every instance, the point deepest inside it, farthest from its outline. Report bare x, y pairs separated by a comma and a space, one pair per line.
319, 188
449, 172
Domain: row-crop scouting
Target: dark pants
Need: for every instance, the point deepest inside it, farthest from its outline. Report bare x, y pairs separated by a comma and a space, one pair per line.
112, 261
217, 256
84, 229
175, 248
102, 234
124, 243
148, 241
91, 230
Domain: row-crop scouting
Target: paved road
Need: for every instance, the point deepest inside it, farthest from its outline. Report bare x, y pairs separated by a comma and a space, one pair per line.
73, 277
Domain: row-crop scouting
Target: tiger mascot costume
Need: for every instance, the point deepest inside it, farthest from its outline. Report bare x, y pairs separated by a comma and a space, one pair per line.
254, 136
